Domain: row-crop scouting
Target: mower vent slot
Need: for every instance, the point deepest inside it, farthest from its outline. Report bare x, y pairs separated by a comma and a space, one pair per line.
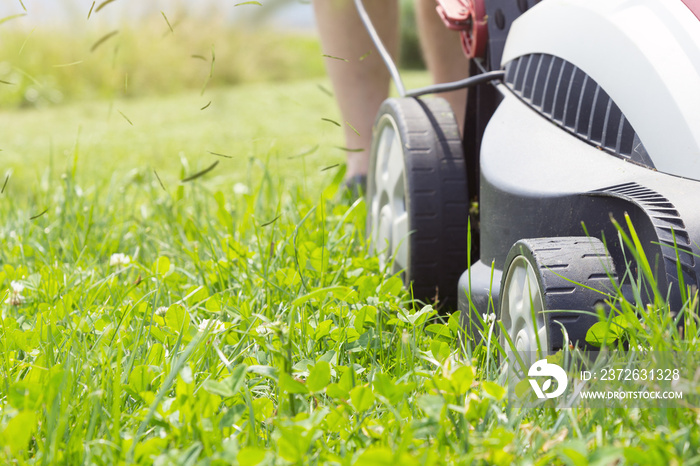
551, 82
583, 116
573, 99
543, 70
567, 96
667, 225
561, 92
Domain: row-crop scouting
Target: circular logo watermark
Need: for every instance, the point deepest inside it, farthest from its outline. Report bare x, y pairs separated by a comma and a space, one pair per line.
541, 369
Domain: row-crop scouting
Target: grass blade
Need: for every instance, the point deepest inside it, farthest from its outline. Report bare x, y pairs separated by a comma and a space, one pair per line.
125, 117
103, 4
200, 174
103, 39
168, 22
11, 17
221, 155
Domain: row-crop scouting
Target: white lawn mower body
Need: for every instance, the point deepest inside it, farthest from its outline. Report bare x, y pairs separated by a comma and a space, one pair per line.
596, 119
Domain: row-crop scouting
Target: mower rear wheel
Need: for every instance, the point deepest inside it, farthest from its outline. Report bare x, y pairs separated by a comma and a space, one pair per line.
417, 196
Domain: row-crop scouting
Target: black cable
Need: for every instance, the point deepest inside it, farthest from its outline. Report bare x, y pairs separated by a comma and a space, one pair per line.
394, 72
461, 84
391, 66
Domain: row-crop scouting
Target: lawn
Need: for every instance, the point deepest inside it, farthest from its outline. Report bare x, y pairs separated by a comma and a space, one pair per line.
280, 124
150, 315
238, 317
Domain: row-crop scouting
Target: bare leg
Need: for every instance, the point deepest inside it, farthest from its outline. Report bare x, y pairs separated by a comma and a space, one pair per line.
362, 82
443, 54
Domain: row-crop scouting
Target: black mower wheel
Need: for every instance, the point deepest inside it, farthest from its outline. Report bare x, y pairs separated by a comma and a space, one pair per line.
562, 275
417, 202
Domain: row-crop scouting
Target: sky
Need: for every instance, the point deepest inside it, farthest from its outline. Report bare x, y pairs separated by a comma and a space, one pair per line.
296, 15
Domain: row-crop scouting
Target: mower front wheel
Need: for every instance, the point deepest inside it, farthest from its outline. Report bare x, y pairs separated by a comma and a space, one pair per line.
551, 287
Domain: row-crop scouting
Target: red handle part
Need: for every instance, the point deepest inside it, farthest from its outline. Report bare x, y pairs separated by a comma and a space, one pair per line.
454, 13
468, 17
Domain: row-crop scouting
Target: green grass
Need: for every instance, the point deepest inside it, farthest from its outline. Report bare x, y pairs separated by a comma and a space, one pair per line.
246, 326
279, 123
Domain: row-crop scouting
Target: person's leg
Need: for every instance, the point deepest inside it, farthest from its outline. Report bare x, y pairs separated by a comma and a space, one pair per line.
362, 82
442, 51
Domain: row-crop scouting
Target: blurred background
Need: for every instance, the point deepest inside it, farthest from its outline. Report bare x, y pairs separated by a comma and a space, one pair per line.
52, 53
287, 14
158, 46
117, 88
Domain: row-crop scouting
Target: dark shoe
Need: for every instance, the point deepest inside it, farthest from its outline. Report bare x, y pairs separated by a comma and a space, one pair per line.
355, 187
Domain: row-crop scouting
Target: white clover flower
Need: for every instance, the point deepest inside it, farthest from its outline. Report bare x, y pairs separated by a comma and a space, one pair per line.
240, 188
642, 349
119, 259
16, 298
161, 311
218, 326
267, 328
489, 318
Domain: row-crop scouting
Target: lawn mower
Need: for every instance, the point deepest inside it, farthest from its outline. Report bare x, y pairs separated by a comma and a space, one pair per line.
579, 112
